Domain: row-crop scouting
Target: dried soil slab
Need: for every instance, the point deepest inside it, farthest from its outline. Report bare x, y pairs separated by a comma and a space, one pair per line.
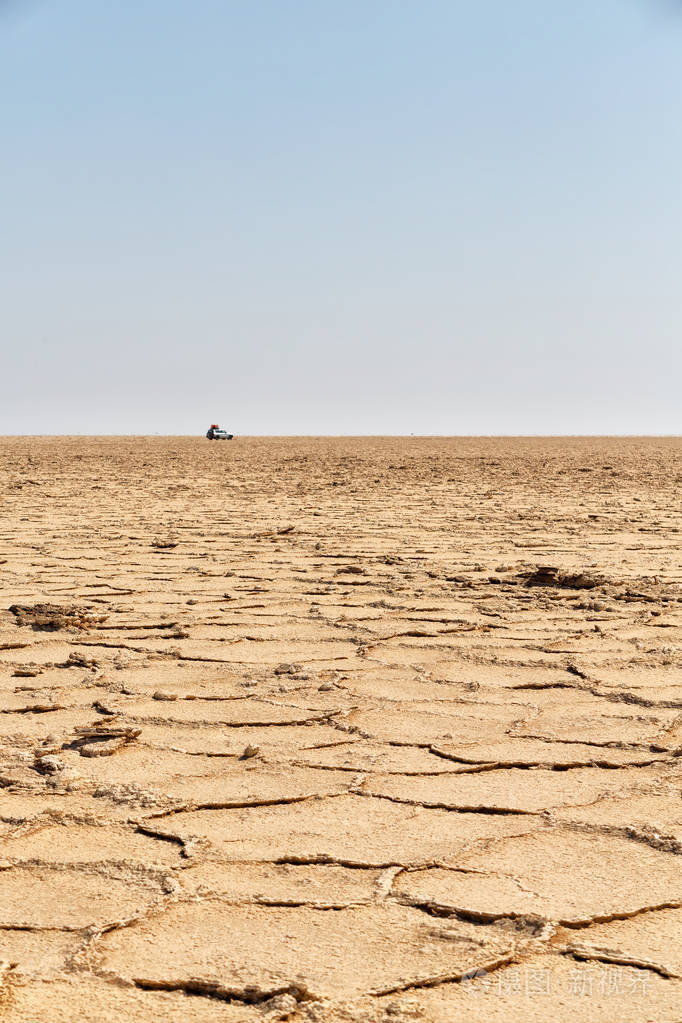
654, 695
496, 705
234, 713
22, 806
570, 724
518, 791
39, 652
423, 658
651, 939
663, 678
34, 727
70, 842
265, 653
364, 756
352, 829
485, 896
196, 678
139, 764
656, 814
438, 726
178, 686
320, 885
245, 782
384, 650
520, 752
10, 639
37, 954
542, 989
330, 954
285, 632
60, 692
77, 898
484, 676
307, 698
96, 1000
398, 686
31, 703
578, 876
574, 700
215, 741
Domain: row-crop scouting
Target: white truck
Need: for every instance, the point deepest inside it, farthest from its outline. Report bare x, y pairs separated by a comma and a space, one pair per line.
214, 432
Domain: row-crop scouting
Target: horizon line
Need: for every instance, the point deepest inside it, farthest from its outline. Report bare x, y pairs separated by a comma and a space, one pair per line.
351, 436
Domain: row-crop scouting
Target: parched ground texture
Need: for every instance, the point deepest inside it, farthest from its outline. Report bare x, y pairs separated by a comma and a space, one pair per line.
340, 730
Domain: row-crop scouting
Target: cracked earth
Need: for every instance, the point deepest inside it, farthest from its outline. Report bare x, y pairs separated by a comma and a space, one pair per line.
340, 730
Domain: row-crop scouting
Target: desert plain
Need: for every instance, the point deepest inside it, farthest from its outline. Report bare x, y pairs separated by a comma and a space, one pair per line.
353, 729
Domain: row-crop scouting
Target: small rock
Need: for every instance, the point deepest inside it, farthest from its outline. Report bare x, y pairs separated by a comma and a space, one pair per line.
282, 1005
50, 764
77, 659
249, 752
162, 694
287, 669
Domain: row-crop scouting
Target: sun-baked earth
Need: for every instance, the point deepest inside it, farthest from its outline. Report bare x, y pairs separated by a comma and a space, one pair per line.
340, 730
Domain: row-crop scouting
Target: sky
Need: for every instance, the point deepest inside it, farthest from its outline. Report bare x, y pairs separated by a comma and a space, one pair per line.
348, 217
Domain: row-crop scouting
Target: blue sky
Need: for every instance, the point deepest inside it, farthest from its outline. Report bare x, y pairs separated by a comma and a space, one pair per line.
368, 216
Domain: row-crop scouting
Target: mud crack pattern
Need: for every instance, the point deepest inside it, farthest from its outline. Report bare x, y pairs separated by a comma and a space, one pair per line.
340, 730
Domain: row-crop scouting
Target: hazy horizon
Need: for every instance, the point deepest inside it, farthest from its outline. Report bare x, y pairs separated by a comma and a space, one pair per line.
359, 436
431, 219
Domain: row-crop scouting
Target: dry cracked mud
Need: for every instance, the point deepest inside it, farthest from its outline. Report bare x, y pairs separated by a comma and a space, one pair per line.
340, 730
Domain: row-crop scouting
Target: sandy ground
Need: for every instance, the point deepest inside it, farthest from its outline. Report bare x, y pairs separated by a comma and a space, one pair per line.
378, 729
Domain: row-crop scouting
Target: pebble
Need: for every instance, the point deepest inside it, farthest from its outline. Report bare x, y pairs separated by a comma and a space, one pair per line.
249, 752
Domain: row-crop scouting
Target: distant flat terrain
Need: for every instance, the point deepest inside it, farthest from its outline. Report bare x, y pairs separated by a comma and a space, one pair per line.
340, 729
